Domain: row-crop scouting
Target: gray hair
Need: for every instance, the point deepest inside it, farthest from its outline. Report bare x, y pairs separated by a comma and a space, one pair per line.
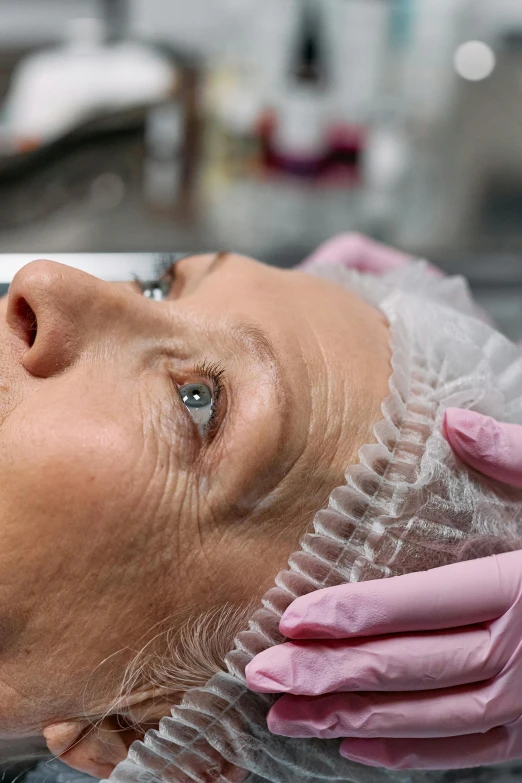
177, 659
174, 660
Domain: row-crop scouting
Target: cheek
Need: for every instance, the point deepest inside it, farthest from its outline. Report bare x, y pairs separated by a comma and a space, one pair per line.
78, 491
60, 469
70, 487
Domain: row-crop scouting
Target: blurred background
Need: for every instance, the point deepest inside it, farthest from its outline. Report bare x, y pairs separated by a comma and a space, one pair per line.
135, 127
266, 126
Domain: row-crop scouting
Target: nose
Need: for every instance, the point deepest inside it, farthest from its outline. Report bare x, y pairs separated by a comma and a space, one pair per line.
52, 308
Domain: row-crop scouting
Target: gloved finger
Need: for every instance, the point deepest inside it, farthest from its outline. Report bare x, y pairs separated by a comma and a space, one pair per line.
493, 448
447, 712
394, 663
471, 750
356, 251
421, 601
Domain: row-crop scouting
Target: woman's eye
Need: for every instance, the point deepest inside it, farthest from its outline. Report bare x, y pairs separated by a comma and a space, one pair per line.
158, 290
197, 397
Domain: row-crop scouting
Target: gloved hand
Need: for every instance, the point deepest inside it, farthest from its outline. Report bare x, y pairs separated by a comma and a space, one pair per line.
481, 442
422, 671
355, 251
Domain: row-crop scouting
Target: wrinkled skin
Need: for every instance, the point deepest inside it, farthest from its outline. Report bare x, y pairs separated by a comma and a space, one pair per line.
115, 513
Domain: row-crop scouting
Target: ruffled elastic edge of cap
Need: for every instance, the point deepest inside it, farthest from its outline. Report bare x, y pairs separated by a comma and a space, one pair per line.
338, 548
350, 542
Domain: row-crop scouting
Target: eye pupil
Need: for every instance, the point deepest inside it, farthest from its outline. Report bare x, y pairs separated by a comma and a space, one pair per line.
196, 395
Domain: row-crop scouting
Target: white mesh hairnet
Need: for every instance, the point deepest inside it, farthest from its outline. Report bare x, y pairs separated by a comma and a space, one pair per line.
408, 505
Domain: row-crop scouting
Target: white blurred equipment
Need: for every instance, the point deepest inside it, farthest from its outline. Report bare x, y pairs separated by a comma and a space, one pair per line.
55, 90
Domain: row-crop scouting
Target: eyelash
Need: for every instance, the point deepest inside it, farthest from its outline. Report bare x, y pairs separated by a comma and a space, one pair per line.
164, 271
212, 371
165, 265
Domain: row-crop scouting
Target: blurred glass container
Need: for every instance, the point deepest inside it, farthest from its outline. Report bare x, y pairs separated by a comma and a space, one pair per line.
385, 162
172, 147
163, 148
232, 108
299, 140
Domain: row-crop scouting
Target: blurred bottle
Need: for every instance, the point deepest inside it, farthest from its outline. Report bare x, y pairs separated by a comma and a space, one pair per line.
298, 141
233, 104
387, 154
162, 162
400, 40
385, 162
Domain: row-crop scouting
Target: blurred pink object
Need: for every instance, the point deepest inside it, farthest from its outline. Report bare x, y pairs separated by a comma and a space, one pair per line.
356, 251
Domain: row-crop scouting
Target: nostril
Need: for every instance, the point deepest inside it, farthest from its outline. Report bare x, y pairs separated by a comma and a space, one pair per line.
28, 321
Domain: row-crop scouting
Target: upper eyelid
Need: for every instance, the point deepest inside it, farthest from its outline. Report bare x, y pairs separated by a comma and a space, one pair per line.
168, 267
164, 267
141, 285
165, 263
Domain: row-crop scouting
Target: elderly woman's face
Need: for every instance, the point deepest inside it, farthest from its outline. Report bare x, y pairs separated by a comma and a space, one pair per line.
119, 506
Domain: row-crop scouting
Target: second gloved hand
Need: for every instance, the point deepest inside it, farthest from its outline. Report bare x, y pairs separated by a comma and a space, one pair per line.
489, 446
356, 251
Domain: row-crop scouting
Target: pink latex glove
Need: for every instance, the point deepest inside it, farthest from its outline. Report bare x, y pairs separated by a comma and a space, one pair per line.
422, 671
355, 251
492, 448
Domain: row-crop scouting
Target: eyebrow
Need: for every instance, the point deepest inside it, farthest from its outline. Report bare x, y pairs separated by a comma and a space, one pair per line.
257, 343
253, 337
220, 257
